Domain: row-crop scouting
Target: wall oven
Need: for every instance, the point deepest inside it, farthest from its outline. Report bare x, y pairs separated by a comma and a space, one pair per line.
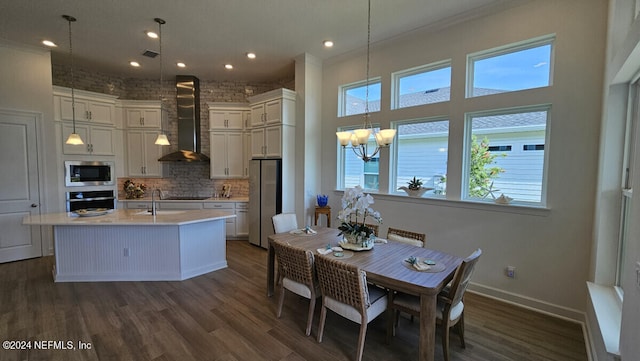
91, 199
87, 173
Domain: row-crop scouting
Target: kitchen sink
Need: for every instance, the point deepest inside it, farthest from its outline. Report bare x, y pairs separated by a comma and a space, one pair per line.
159, 212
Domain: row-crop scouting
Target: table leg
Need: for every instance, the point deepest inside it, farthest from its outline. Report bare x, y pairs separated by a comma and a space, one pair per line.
271, 259
427, 327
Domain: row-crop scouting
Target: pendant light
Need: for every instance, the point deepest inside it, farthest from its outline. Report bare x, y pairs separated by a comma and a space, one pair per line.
162, 137
359, 138
74, 138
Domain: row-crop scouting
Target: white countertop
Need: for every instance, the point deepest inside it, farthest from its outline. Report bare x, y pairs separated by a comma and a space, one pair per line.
130, 217
212, 199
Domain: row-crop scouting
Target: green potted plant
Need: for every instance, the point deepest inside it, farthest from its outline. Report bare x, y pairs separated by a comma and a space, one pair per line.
415, 188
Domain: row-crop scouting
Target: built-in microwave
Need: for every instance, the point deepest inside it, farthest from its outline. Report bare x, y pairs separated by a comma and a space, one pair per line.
88, 173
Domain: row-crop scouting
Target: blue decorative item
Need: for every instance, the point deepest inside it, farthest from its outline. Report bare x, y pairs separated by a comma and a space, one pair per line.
323, 199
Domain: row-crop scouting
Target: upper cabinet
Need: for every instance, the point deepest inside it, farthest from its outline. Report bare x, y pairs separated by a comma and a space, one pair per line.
89, 107
94, 115
272, 123
142, 113
228, 116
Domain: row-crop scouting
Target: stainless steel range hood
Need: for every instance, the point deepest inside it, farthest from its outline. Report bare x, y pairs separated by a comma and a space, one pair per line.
188, 101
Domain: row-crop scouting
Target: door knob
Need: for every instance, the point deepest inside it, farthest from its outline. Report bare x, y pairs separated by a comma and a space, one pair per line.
34, 205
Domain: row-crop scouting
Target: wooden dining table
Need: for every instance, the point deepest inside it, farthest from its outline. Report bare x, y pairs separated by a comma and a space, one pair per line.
385, 266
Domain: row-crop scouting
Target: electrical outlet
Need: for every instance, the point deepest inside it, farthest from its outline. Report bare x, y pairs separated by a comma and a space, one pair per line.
126, 252
511, 272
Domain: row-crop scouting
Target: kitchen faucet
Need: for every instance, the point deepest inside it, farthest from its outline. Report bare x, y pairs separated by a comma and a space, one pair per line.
153, 200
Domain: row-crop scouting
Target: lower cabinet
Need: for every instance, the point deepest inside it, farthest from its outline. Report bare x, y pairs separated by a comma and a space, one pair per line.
236, 227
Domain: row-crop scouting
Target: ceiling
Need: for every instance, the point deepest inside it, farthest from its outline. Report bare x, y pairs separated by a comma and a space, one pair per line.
206, 34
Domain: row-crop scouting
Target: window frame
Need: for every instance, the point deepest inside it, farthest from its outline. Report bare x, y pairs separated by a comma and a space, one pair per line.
341, 153
393, 153
344, 88
398, 75
466, 152
508, 49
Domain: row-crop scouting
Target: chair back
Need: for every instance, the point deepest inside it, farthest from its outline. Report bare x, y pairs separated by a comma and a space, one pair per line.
374, 228
462, 277
284, 222
295, 264
400, 235
343, 282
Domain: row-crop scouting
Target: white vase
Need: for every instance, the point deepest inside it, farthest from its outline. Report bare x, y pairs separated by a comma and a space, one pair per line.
416, 192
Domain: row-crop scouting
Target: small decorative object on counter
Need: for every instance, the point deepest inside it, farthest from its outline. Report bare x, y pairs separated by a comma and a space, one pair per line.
356, 207
133, 190
415, 188
322, 199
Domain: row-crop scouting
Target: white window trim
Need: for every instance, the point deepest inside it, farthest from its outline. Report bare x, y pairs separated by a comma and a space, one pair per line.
396, 76
466, 157
507, 49
393, 152
342, 89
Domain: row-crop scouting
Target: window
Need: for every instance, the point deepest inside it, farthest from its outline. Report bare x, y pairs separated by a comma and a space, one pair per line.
500, 158
421, 152
352, 97
354, 171
509, 69
422, 85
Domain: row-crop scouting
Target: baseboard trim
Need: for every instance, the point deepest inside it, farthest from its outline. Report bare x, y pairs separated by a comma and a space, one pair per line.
530, 303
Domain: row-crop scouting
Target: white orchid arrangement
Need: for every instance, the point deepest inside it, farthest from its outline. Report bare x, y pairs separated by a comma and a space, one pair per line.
356, 207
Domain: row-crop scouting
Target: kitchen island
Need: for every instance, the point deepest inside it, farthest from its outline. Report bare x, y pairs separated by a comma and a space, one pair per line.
133, 245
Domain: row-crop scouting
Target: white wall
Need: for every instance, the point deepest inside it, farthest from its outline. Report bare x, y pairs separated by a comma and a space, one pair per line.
549, 248
25, 84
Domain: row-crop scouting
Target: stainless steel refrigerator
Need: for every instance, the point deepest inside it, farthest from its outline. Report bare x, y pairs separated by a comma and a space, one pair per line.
265, 198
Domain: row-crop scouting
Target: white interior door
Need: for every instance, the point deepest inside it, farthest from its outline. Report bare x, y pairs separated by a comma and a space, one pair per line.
19, 195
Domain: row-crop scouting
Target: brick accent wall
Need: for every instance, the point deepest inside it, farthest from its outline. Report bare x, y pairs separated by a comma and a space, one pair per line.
181, 179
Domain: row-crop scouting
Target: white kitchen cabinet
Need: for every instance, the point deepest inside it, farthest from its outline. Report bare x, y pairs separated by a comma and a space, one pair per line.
142, 113
179, 205
228, 116
143, 154
228, 206
246, 143
89, 106
242, 219
273, 121
138, 204
97, 140
227, 155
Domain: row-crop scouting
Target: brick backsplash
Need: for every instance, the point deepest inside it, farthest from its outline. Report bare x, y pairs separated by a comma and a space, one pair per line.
180, 179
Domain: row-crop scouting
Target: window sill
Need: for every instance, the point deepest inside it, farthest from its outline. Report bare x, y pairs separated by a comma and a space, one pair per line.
443, 202
607, 307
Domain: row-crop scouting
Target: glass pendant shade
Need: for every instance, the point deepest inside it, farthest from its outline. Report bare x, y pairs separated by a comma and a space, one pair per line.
162, 139
74, 139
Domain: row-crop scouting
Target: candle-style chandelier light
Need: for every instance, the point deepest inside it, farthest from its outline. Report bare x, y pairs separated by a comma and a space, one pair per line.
359, 138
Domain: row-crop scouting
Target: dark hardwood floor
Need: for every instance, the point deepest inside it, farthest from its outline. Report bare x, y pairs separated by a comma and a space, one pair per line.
225, 315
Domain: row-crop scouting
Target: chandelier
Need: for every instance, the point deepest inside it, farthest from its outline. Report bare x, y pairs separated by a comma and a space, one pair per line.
74, 138
162, 137
359, 138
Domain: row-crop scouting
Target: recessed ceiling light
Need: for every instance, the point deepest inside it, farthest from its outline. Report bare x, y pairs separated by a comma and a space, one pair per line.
181, 65
152, 35
134, 64
327, 43
49, 43
251, 55
228, 66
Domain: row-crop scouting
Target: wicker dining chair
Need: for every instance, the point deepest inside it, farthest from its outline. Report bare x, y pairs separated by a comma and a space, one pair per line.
345, 292
450, 308
374, 228
296, 273
400, 235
